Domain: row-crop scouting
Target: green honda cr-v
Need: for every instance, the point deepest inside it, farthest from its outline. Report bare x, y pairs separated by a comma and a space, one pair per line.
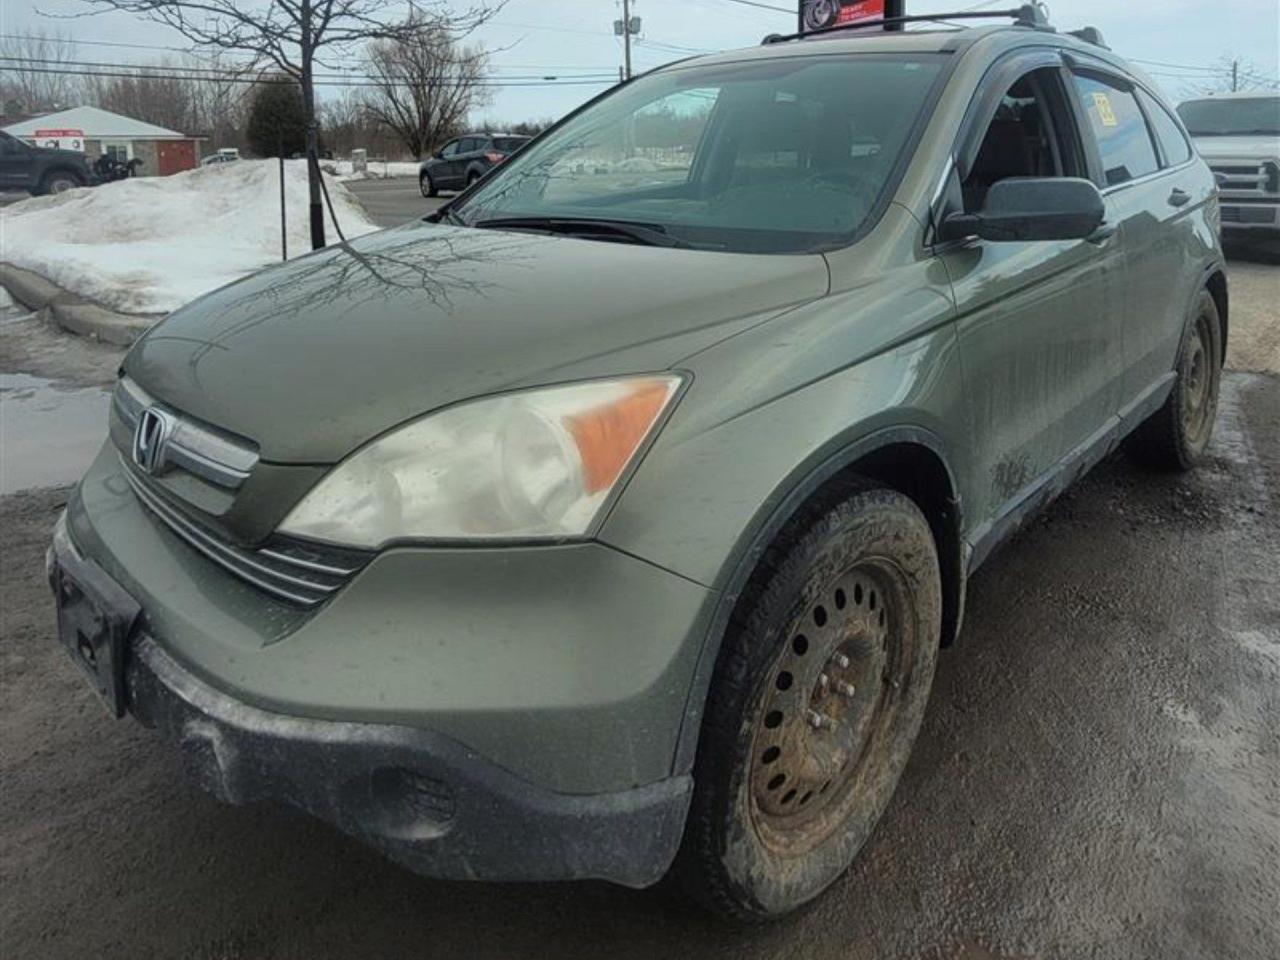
610, 521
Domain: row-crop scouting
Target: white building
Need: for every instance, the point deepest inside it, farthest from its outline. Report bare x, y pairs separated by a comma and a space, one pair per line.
95, 132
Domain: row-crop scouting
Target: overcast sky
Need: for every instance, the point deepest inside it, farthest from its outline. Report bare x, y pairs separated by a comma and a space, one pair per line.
574, 38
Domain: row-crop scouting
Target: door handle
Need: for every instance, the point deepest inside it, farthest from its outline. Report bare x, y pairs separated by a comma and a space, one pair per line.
1179, 197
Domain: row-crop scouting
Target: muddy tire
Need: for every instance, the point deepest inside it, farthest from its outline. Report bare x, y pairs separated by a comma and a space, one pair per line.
427, 185
819, 691
1175, 436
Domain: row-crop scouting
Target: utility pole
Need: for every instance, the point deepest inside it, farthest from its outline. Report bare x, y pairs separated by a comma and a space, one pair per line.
626, 28
626, 36
1235, 76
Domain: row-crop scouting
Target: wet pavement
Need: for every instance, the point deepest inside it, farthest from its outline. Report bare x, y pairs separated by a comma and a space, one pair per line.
1098, 774
49, 431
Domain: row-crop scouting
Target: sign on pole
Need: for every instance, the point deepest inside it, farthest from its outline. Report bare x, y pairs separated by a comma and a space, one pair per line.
822, 14
59, 139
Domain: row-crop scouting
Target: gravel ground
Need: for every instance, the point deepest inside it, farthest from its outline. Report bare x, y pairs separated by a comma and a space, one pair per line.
1098, 775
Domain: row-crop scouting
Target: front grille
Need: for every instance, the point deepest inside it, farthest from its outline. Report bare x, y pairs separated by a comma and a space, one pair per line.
1246, 179
302, 573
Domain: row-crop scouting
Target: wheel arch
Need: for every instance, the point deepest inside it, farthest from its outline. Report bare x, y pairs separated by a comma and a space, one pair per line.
1216, 284
909, 459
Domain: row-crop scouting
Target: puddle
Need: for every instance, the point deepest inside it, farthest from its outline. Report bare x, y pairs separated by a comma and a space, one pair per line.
48, 434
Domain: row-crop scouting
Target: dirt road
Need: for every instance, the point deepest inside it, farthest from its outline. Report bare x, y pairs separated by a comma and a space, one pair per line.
1098, 775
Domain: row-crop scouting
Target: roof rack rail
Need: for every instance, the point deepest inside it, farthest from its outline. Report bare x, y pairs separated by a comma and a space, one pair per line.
1033, 15
1089, 35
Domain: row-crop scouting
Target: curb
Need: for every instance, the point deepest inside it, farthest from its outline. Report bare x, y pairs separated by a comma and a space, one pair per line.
72, 312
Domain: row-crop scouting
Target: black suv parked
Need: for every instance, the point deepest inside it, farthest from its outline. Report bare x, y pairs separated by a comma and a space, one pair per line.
463, 161
40, 169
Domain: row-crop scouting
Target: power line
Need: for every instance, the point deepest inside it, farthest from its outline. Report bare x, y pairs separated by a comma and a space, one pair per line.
206, 73
133, 75
766, 6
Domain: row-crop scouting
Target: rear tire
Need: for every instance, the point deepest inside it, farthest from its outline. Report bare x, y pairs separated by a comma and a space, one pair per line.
819, 692
427, 185
1174, 438
59, 182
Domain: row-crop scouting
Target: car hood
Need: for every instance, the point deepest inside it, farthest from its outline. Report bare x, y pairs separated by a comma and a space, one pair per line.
1237, 148
312, 358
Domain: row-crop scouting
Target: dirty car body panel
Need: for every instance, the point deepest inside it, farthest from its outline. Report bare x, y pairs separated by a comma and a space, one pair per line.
527, 707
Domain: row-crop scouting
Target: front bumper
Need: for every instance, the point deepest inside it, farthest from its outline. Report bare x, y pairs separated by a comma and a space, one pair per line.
421, 798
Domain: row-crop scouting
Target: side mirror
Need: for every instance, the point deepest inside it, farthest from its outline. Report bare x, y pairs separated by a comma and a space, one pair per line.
1032, 208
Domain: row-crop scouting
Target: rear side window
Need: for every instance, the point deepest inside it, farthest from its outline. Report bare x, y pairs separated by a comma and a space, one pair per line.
509, 144
1118, 125
1173, 144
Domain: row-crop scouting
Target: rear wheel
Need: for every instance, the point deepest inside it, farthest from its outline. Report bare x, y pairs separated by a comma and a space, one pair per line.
819, 692
427, 185
1175, 436
59, 182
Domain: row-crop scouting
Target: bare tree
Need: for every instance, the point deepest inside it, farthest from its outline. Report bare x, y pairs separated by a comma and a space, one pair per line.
1229, 75
424, 83
292, 37
347, 124
31, 81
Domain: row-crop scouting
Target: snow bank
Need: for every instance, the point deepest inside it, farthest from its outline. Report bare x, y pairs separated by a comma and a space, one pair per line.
150, 244
374, 169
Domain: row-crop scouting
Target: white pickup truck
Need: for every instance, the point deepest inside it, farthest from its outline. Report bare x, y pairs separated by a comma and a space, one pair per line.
1238, 134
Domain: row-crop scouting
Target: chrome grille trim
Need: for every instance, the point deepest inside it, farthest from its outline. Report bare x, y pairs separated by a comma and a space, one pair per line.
1243, 179
195, 448
277, 570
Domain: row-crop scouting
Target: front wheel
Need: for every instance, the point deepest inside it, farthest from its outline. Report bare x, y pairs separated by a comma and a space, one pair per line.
427, 185
819, 692
1175, 436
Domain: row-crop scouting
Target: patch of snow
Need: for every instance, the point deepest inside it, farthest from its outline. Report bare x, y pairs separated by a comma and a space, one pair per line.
374, 169
150, 244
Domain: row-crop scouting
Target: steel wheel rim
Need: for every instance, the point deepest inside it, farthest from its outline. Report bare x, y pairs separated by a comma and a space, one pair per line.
828, 698
1197, 398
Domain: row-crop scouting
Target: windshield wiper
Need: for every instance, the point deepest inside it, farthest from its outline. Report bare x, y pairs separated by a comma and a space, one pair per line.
650, 235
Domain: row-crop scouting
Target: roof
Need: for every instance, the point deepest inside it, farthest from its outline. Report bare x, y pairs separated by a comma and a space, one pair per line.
95, 123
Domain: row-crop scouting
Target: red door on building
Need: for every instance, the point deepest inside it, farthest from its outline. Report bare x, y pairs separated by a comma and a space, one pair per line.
174, 156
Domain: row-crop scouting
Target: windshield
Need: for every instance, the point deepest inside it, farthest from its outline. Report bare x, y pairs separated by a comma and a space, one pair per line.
1243, 117
778, 156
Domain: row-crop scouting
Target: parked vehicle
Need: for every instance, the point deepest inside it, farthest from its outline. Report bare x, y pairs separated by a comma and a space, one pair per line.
613, 518
464, 160
108, 168
224, 155
40, 169
1239, 135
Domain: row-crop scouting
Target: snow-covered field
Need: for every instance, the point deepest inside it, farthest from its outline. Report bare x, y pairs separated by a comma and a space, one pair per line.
150, 244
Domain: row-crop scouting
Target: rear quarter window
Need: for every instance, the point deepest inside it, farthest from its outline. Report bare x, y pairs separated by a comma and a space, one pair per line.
1173, 144
1120, 130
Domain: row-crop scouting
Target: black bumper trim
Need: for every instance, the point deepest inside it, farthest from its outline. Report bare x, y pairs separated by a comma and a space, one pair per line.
421, 798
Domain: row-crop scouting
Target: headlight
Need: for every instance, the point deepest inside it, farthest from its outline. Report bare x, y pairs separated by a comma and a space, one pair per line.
538, 464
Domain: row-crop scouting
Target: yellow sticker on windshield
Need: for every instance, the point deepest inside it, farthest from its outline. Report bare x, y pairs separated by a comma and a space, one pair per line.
1105, 113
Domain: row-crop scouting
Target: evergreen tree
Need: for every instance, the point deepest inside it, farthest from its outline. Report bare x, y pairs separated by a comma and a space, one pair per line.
277, 120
